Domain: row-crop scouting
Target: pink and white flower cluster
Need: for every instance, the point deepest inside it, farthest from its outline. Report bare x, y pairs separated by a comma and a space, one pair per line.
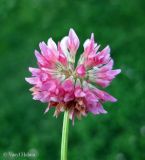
64, 85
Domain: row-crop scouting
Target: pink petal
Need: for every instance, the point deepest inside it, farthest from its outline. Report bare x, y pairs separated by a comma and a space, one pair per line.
62, 57
89, 45
51, 44
79, 93
43, 48
41, 60
115, 72
52, 48
103, 56
32, 80
108, 75
68, 85
103, 83
34, 71
105, 76
104, 95
68, 97
96, 109
81, 70
73, 41
106, 67
49, 86
91, 97
64, 46
100, 109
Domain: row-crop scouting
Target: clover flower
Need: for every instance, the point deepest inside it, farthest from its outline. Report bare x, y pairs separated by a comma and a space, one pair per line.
68, 85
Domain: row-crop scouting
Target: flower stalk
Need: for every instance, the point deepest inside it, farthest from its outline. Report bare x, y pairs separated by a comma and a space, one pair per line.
64, 140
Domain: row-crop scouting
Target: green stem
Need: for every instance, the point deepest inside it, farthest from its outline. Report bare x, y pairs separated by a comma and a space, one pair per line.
64, 140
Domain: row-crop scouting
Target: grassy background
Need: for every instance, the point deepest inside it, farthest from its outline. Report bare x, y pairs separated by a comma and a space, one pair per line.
119, 135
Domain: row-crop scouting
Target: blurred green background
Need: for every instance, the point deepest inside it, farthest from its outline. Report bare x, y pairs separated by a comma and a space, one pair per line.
119, 135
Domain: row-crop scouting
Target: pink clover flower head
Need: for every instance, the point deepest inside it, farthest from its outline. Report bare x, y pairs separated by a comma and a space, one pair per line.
59, 83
